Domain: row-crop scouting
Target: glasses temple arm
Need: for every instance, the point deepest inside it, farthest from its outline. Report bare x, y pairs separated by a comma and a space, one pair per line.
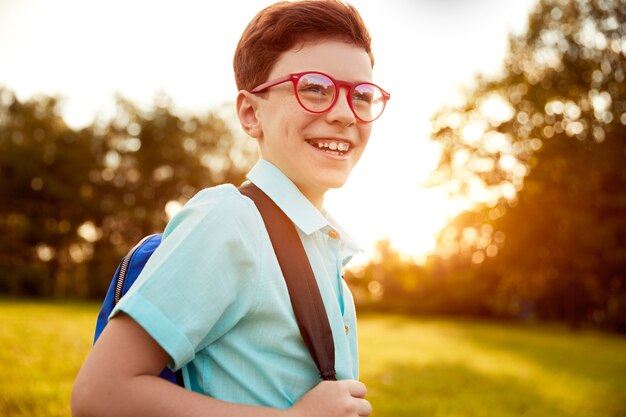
269, 84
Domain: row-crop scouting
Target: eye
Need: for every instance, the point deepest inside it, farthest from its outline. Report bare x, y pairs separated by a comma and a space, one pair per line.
313, 88
316, 86
364, 97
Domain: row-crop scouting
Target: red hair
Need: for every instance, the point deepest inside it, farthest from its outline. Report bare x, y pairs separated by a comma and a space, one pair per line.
283, 25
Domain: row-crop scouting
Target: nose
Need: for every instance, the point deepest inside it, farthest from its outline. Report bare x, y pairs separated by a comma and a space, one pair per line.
341, 112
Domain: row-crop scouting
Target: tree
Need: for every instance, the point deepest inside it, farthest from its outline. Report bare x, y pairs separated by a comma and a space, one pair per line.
73, 202
541, 150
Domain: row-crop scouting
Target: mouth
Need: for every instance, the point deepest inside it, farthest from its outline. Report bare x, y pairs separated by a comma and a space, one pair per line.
337, 147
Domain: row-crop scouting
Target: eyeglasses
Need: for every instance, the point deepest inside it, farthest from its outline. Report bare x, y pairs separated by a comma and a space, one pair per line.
317, 93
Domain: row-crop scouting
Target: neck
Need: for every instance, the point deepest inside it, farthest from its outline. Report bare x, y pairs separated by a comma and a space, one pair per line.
316, 197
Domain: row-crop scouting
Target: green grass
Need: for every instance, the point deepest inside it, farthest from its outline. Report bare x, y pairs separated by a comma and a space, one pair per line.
457, 368
413, 367
42, 346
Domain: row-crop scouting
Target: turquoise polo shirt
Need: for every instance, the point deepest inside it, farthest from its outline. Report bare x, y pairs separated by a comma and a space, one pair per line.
213, 295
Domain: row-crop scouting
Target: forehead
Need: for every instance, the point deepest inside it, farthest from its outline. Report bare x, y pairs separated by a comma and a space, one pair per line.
338, 59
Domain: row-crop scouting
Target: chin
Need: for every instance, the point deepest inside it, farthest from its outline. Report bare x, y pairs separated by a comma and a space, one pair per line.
335, 182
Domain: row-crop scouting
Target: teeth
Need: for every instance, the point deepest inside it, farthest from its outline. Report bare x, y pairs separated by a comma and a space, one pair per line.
334, 146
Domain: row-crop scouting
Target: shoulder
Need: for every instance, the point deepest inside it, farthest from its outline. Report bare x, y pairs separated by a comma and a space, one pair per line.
220, 210
225, 196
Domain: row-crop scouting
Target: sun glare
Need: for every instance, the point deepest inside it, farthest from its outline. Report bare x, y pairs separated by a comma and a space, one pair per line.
411, 225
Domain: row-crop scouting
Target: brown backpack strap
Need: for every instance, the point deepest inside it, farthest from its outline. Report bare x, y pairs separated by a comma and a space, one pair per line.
303, 290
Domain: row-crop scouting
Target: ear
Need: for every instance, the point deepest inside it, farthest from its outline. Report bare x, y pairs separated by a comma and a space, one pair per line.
247, 113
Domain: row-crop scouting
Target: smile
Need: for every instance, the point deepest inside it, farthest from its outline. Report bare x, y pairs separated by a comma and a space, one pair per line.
333, 147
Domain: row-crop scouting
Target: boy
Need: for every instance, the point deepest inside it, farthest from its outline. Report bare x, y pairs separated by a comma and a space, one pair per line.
212, 297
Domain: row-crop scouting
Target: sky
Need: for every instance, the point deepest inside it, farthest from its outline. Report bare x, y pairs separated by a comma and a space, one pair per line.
426, 51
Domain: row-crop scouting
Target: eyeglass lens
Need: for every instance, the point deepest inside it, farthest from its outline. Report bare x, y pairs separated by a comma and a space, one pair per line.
316, 93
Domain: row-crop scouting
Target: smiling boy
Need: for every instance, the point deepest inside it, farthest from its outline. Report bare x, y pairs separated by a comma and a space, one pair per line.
212, 299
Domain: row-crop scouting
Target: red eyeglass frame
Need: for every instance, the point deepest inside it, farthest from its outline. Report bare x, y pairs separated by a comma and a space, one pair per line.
294, 78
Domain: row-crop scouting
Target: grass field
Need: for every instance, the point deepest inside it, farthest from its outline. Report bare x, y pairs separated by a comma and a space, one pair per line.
413, 367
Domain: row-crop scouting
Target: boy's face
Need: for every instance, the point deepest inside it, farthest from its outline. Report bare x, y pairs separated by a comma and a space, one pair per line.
300, 143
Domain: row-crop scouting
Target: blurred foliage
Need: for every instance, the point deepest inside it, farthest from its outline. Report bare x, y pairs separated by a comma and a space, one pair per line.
541, 152
72, 202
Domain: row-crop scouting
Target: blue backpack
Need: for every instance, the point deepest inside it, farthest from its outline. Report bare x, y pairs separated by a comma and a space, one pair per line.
303, 290
125, 276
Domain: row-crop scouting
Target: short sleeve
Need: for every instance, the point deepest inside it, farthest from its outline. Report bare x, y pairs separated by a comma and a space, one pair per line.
202, 279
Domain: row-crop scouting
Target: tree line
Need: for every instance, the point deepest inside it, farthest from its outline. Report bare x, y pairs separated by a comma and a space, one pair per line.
73, 202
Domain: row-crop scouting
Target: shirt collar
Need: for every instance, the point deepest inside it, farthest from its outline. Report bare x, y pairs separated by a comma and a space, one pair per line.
350, 246
297, 207
287, 196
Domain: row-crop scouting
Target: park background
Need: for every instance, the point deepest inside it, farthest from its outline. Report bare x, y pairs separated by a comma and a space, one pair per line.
491, 201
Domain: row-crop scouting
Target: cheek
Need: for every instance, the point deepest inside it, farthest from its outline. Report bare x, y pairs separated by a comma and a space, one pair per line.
296, 123
364, 132
285, 118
